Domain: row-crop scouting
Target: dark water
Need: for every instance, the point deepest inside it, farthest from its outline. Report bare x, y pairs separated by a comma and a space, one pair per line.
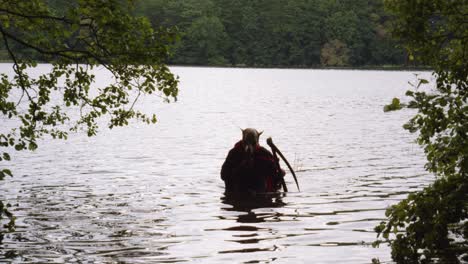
152, 194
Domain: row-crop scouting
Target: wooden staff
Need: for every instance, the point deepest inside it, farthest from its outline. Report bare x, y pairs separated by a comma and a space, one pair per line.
283, 183
276, 150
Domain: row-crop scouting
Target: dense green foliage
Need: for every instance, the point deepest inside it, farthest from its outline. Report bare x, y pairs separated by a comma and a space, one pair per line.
287, 33
278, 32
76, 37
432, 223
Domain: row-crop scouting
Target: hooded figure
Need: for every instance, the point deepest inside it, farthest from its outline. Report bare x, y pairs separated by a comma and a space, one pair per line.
250, 167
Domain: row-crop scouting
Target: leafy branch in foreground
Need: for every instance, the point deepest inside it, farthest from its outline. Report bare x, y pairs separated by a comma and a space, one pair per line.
76, 39
432, 224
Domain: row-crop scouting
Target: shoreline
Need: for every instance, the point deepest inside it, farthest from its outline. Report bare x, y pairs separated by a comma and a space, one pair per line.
363, 68
350, 68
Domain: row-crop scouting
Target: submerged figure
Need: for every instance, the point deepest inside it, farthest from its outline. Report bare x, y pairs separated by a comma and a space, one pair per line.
250, 167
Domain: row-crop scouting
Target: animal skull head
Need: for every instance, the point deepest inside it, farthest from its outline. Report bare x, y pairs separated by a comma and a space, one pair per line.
250, 137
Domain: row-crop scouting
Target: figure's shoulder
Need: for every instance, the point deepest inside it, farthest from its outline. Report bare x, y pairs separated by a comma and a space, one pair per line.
238, 145
237, 149
264, 152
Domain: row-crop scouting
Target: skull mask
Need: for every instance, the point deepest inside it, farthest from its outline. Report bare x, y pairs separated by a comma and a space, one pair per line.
250, 137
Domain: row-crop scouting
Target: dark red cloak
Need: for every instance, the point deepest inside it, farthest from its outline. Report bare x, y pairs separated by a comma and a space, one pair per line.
259, 172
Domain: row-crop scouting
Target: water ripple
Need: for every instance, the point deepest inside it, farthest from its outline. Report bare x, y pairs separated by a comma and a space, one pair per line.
152, 194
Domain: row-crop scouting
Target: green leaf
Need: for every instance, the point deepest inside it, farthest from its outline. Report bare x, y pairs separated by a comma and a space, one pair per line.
7, 172
32, 146
395, 105
19, 147
6, 156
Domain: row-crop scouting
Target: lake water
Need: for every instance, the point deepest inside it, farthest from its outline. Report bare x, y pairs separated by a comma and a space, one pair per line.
153, 194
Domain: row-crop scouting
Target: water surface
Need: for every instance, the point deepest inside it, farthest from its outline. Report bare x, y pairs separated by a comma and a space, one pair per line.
152, 194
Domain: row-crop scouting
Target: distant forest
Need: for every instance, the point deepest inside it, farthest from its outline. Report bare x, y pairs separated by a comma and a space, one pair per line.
303, 33
274, 33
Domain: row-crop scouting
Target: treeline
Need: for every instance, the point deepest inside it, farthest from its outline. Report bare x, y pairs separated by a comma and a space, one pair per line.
303, 33
269, 33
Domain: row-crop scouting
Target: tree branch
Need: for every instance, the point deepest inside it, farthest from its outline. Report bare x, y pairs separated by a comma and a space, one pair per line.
63, 19
15, 64
87, 54
44, 17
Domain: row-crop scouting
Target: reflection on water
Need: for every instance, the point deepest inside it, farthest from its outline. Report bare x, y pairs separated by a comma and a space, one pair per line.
152, 194
248, 202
